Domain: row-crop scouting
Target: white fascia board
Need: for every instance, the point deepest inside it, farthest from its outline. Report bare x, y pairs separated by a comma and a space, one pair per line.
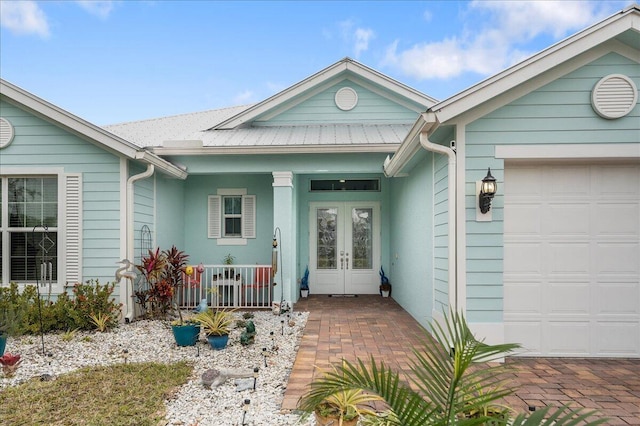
284, 149
162, 164
65, 119
537, 64
410, 146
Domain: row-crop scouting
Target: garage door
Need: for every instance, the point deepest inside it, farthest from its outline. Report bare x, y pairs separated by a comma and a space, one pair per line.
572, 259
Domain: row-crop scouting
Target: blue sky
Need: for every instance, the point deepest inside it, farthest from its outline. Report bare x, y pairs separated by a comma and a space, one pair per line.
116, 61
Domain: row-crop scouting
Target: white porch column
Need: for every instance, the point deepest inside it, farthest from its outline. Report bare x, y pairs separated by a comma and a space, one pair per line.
283, 219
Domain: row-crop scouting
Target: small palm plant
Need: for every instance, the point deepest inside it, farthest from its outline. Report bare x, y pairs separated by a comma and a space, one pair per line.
452, 385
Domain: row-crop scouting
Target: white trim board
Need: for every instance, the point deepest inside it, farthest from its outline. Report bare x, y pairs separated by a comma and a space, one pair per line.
627, 151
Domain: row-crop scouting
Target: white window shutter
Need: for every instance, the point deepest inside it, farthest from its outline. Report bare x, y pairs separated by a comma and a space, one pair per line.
249, 216
73, 228
215, 217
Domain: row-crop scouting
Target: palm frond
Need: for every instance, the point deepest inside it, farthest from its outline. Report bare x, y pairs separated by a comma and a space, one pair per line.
455, 382
562, 416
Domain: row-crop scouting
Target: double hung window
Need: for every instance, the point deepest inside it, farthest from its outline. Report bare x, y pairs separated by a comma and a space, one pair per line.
27, 205
232, 216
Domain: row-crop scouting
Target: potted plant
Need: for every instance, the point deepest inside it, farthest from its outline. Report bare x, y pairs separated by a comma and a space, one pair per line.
10, 363
385, 285
344, 408
228, 271
304, 283
385, 289
164, 271
216, 325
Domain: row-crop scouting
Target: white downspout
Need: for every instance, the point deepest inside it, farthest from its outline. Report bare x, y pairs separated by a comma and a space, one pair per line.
453, 224
129, 249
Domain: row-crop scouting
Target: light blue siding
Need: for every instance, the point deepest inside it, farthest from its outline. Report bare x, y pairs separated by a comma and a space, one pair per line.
558, 113
37, 144
413, 266
371, 108
188, 216
143, 208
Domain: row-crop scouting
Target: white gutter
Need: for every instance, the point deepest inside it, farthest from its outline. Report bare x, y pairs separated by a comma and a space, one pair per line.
452, 220
129, 235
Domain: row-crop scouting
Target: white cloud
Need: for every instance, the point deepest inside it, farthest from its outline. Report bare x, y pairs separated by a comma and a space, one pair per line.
531, 18
100, 8
273, 88
244, 97
23, 18
360, 37
427, 16
495, 36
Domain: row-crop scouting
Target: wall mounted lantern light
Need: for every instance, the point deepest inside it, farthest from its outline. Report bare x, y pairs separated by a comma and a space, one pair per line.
488, 189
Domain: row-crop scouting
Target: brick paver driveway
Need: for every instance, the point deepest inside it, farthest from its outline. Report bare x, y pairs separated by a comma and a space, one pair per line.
357, 327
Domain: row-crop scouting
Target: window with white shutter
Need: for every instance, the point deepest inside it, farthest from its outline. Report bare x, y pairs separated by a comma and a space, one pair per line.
73, 228
231, 217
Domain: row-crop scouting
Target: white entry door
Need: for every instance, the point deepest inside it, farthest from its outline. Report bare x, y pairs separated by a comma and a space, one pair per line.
344, 247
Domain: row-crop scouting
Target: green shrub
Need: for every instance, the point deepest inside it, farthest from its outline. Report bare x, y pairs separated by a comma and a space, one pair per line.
68, 312
12, 310
93, 299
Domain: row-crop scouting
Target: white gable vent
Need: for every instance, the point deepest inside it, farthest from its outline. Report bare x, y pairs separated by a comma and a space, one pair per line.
6, 132
346, 99
614, 96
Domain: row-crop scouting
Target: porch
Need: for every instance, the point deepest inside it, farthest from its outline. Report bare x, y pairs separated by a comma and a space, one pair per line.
367, 325
232, 286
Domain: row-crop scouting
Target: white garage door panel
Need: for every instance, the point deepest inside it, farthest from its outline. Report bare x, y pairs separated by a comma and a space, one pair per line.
617, 259
617, 220
527, 334
568, 298
529, 225
572, 259
617, 299
526, 300
566, 338
525, 258
569, 258
617, 339
567, 219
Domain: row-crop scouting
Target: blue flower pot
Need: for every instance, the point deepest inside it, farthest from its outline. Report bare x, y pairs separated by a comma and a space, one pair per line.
3, 344
186, 335
218, 342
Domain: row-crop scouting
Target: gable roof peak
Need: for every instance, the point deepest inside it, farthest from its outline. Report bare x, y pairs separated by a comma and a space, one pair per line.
564, 50
318, 80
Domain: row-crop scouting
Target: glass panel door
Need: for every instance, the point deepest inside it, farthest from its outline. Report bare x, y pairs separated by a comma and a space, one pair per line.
327, 239
344, 248
361, 241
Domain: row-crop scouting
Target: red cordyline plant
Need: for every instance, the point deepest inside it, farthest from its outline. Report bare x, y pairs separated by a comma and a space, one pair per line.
10, 363
163, 271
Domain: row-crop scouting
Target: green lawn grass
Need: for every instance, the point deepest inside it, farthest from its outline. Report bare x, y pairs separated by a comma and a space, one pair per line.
123, 394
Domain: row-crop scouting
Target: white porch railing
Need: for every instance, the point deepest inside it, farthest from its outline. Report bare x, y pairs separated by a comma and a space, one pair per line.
238, 286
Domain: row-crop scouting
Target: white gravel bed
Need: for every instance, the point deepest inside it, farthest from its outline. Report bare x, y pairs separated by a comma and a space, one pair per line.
143, 341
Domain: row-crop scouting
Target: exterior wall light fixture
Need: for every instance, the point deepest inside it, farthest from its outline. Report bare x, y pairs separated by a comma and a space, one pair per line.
488, 188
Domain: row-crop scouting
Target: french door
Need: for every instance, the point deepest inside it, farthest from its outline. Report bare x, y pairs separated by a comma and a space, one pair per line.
344, 247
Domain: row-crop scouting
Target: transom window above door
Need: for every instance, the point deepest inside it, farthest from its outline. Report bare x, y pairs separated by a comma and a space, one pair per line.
344, 185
